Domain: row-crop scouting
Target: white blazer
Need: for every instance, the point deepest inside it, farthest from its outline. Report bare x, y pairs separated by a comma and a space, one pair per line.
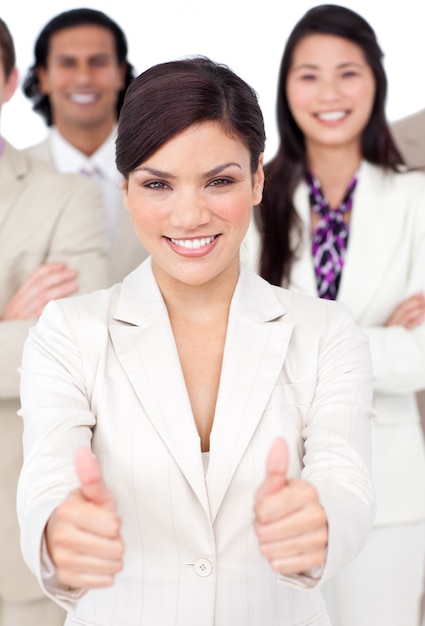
103, 370
385, 263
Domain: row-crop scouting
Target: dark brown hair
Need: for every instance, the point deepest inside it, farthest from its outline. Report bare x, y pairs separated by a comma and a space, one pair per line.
169, 97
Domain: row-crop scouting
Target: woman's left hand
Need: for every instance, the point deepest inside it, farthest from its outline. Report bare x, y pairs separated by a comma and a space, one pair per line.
290, 522
409, 313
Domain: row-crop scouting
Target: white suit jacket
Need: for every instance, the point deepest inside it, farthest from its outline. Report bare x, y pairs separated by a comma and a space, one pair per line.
293, 366
409, 135
385, 263
126, 251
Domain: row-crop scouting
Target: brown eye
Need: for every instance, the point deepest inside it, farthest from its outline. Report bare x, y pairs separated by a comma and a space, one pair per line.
220, 182
156, 184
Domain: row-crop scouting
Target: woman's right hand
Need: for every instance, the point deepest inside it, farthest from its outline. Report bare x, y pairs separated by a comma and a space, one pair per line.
409, 313
83, 534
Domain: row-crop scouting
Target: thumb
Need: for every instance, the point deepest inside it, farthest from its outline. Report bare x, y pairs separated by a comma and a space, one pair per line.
92, 486
276, 468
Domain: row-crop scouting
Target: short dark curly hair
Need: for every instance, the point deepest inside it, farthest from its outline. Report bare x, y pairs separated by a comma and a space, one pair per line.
69, 19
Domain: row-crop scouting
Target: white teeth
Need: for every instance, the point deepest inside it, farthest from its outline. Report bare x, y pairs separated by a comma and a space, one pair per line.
83, 98
193, 244
331, 116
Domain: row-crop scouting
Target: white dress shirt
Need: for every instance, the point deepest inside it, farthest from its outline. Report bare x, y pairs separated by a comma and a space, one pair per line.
100, 165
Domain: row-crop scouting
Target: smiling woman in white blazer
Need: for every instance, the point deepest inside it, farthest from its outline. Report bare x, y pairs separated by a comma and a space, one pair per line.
341, 218
230, 419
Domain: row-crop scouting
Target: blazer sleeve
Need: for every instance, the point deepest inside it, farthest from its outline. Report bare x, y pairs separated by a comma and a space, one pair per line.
51, 437
399, 354
328, 381
398, 358
337, 439
77, 236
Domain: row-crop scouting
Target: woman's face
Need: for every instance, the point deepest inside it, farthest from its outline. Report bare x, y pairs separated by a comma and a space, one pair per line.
330, 90
191, 204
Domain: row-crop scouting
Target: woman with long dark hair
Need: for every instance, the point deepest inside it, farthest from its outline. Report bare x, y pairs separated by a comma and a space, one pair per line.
341, 218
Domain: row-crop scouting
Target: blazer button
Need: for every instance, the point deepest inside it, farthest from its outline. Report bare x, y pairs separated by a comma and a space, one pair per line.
202, 567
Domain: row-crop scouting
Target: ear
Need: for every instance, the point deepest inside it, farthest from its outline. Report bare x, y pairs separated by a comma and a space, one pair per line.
124, 189
43, 82
11, 85
258, 181
122, 73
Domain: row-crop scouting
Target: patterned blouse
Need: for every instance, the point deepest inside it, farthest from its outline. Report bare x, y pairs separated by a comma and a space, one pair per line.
330, 237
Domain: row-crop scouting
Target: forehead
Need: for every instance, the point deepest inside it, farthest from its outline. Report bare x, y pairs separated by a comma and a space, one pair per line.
322, 48
202, 142
84, 40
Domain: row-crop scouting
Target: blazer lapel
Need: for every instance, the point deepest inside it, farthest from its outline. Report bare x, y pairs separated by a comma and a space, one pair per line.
143, 340
254, 354
375, 207
253, 358
302, 273
13, 171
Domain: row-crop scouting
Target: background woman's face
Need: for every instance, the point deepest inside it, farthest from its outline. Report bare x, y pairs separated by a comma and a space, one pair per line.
330, 90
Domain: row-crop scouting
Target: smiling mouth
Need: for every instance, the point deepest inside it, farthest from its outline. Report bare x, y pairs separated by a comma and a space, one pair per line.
193, 244
83, 98
332, 116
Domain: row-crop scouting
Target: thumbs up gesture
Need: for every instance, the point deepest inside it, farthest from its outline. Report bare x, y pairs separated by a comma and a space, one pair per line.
83, 534
290, 523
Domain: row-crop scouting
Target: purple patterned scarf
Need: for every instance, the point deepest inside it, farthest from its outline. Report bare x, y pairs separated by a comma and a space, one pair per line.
330, 237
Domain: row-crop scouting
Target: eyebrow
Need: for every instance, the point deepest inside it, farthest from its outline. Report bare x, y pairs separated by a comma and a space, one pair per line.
65, 56
164, 174
312, 66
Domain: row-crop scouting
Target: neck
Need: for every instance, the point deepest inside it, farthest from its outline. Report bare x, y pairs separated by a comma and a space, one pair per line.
86, 139
197, 304
334, 168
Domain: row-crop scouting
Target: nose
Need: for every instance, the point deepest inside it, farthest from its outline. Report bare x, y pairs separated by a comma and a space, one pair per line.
82, 74
190, 210
329, 89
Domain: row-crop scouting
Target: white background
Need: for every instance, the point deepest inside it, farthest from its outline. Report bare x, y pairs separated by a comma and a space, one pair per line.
246, 35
